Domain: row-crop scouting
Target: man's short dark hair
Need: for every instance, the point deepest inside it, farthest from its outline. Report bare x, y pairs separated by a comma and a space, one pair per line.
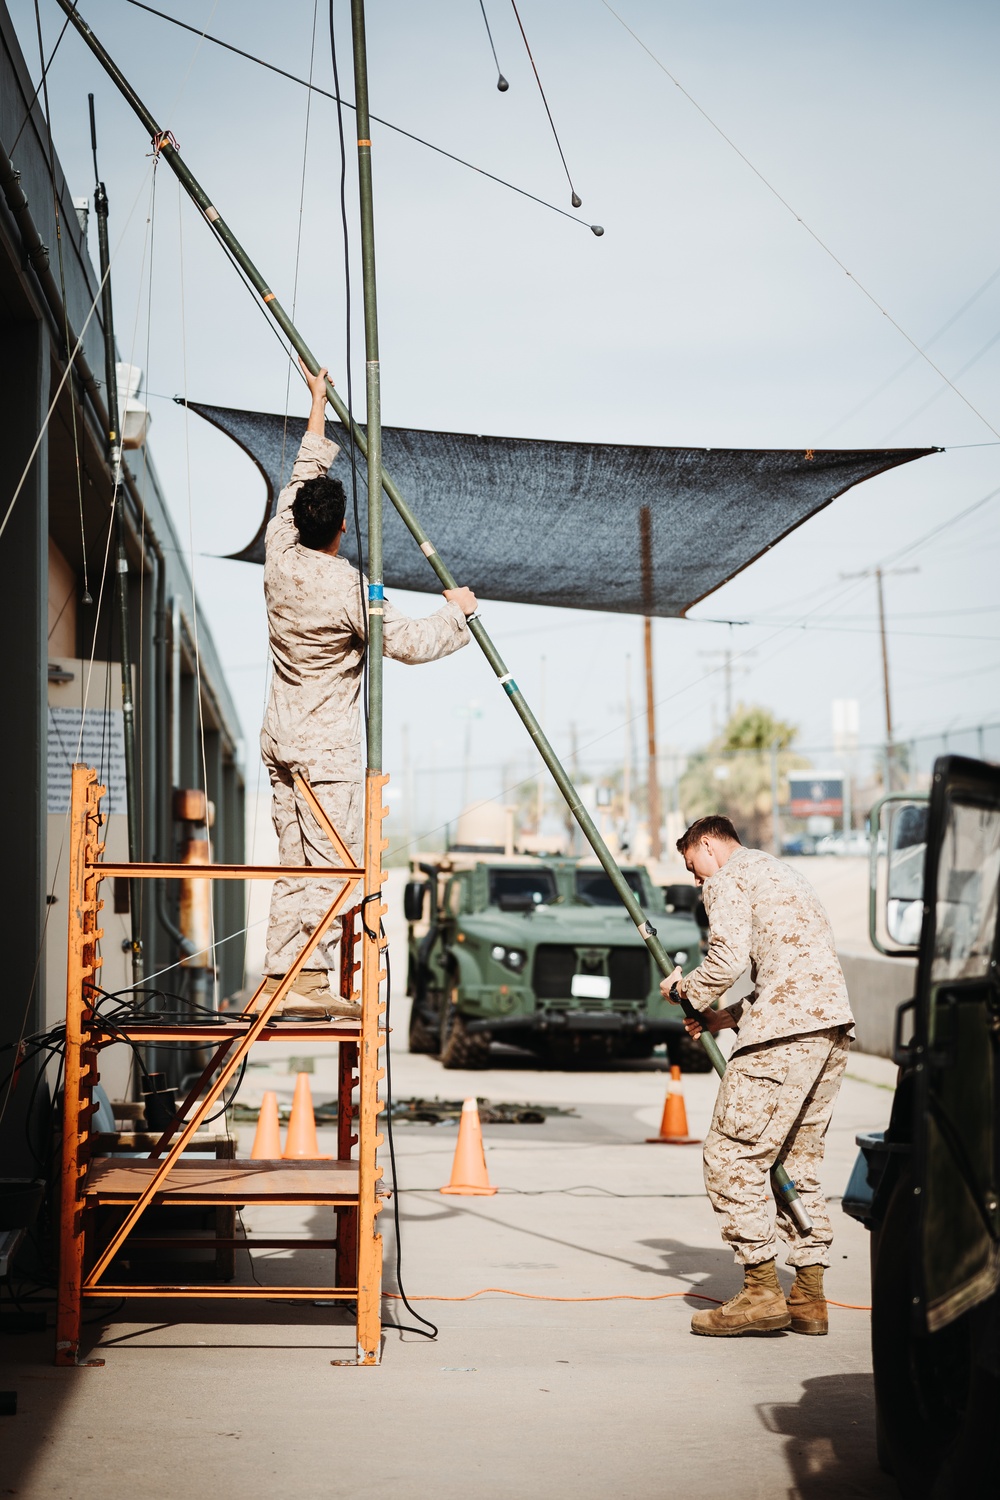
318, 511
714, 827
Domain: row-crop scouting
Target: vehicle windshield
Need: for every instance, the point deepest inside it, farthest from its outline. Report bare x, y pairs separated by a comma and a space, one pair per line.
595, 889
519, 890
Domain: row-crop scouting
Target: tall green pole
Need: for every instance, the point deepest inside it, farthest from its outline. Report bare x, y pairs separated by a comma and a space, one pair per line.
165, 146
373, 424
121, 557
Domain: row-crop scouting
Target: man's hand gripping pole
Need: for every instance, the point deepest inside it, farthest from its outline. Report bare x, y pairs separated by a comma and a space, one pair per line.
784, 1188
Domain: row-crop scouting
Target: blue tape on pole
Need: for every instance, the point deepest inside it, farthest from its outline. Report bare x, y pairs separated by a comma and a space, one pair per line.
510, 687
376, 591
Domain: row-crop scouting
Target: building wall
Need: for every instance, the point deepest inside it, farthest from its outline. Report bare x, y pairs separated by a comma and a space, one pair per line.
64, 508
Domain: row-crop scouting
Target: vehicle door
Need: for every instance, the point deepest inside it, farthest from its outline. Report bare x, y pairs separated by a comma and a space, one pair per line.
955, 1046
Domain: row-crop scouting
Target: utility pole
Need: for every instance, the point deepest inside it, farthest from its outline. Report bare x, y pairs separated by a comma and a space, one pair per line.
879, 574
627, 763
540, 783
729, 659
652, 774
775, 815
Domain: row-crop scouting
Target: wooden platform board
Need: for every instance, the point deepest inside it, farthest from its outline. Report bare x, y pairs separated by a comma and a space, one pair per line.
220, 1182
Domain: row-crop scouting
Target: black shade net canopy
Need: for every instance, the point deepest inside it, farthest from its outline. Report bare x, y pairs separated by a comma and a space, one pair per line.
605, 526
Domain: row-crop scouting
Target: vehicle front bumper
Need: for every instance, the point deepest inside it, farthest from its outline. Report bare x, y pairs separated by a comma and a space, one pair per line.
622, 1023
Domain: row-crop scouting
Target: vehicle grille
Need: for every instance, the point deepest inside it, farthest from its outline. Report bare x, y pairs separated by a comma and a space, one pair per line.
629, 970
553, 971
555, 966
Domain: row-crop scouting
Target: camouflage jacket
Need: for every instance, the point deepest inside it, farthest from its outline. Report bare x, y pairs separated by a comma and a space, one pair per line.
317, 628
764, 915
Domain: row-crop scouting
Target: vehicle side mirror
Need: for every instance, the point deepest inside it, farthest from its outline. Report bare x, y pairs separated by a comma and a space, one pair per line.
896, 885
413, 900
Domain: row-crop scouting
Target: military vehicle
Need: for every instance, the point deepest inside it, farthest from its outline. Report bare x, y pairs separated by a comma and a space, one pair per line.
926, 1187
539, 953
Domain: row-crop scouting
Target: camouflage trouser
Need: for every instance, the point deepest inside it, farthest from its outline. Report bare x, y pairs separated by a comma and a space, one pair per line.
774, 1104
298, 905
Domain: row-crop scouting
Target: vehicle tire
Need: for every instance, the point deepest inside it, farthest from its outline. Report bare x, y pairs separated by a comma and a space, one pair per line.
687, 1054
638, 1048
458, 1049
423, 1035
922, 1382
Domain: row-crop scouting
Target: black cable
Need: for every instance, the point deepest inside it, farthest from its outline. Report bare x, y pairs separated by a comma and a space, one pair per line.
228, 1102
575, 198
392, 1157
350, 386
502, 83
250, 57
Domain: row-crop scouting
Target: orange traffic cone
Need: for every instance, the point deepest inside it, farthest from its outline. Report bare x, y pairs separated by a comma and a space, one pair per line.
469, 1177
267, 1141
301, 1143
674, 1125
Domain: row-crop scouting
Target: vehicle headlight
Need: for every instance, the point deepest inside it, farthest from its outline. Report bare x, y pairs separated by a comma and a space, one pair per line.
511, 958
681, 957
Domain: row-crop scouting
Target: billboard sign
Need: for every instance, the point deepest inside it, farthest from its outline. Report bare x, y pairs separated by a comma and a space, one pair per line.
816, 794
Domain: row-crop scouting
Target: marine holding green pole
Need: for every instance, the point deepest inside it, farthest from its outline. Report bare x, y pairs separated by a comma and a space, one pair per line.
793, 1034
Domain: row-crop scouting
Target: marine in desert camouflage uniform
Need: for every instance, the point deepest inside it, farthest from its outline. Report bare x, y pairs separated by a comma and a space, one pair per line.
312, 728
777, 1095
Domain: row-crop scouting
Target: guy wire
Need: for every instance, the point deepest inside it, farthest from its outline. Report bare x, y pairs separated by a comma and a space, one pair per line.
575, 199
502, 83
397, 129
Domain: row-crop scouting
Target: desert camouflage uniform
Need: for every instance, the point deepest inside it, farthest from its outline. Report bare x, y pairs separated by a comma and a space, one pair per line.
793, 1037
317, 627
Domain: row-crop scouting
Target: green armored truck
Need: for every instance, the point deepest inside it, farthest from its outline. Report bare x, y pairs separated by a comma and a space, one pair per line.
540, 953
927, 1186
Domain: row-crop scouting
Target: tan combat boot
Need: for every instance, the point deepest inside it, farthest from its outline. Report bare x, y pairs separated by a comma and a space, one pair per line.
310, 998
759, 1308
807, 1301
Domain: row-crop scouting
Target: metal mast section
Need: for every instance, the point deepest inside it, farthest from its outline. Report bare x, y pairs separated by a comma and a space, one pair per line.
121, 558
166, 147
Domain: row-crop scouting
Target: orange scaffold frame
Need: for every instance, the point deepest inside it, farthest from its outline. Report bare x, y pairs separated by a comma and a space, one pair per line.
350, 1184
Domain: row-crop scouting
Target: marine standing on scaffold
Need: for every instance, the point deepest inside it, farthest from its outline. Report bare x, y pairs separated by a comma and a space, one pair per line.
317, 628
777, 1094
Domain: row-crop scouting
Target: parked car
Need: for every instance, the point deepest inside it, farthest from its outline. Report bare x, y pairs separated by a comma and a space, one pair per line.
856, 842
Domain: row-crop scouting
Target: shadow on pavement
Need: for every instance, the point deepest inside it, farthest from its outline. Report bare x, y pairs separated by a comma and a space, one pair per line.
710, 1271
830, 1439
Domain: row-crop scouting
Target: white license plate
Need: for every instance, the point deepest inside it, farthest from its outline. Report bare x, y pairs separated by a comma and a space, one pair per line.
591, 986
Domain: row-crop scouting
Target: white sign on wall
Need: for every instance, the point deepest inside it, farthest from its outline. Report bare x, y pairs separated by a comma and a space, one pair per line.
102, 746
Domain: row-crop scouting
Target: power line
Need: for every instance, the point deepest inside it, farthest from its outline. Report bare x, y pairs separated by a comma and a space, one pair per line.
800, 220
596, 229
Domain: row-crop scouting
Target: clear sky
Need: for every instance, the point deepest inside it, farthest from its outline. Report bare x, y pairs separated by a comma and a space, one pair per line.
707, 314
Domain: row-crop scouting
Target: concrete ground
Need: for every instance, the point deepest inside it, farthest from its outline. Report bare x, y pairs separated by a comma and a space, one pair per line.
516, 1398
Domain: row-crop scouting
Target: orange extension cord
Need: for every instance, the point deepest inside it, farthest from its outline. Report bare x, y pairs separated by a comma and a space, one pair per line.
506, 1291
